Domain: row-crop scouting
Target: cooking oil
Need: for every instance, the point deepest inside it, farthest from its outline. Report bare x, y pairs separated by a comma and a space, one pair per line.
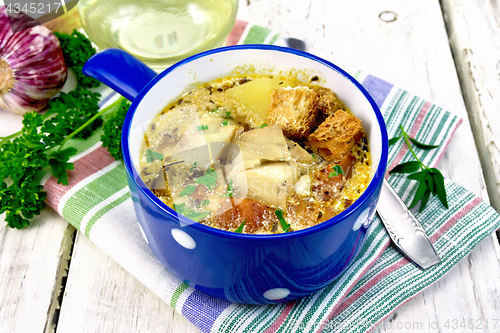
158, 32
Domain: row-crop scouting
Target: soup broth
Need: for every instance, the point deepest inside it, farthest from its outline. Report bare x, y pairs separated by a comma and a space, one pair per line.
257, 154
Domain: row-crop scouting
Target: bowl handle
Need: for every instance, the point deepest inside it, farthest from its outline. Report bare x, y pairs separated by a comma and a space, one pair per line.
120, 71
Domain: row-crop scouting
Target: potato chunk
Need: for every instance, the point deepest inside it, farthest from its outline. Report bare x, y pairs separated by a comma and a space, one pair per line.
253, 98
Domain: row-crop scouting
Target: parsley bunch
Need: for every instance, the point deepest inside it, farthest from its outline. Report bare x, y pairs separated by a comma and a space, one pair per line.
39, 145
431, 181
112, 130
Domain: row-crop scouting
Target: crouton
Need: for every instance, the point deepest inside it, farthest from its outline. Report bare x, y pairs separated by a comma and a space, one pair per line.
335, 137
294, 109
328, 102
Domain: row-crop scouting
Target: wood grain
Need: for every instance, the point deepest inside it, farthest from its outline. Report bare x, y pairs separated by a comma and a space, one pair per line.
101, 296
30, 262
403, 42
474, 30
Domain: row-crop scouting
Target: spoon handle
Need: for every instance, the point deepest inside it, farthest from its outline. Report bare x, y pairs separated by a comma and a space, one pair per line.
404, 229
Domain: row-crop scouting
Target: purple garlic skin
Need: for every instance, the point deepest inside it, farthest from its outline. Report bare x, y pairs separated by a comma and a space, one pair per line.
32, 67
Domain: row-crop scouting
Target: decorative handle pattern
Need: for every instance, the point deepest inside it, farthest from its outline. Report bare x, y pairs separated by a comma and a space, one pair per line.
404, 229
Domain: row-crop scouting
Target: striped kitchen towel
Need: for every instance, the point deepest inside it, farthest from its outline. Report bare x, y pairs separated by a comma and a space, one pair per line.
97, 202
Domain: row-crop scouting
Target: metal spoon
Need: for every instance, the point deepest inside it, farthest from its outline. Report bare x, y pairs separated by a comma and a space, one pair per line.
293, 43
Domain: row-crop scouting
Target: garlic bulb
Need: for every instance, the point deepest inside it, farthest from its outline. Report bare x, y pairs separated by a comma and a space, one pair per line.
32, 67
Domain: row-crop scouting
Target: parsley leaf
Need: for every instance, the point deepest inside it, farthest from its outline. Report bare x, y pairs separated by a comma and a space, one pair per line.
229, 192
192, 167
77, 49
152, 156
112, 130
240, 228
337, 170
189, 213
209, 179
188, 190
201, 128
58, 161
284, 224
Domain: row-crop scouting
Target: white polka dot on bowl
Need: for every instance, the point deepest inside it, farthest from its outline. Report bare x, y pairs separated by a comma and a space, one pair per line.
276, 293
183, 238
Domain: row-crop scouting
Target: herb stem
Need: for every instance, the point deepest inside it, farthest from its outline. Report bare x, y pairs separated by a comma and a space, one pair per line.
12, 136
409, 146
97, 115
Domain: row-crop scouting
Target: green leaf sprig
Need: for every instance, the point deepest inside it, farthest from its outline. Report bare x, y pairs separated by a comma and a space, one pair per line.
431, 180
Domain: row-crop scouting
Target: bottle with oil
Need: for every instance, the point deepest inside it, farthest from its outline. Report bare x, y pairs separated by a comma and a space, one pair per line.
159, 32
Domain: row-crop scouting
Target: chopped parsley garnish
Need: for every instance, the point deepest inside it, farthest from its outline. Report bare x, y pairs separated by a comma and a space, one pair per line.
431, 181
314, 156
263, 125
152, 156
201, 128
188, 190
204, 202
229, 192
192, 167
225, 122
336, 170
284, 224
209, 179
240, 228
189, 213
227, 114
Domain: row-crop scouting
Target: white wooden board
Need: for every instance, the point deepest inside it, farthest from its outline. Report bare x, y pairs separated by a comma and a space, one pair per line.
411, 51
474, 29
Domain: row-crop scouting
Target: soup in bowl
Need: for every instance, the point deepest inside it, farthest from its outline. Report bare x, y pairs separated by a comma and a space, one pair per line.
254, 170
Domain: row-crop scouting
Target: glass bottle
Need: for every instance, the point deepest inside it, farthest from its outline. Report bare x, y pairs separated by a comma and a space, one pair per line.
159, 32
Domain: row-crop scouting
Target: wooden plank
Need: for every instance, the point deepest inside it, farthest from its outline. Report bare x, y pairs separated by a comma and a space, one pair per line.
474, 30
101, 296
30, 266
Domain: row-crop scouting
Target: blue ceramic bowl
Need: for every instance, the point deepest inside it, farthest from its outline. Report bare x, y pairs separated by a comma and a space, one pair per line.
252, 269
